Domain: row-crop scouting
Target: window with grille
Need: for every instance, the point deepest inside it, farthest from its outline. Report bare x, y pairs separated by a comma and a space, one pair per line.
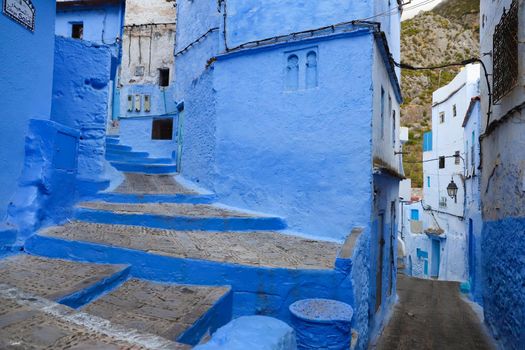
505, 53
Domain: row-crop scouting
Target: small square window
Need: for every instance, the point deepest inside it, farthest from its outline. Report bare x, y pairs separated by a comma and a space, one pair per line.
164, 77
77, 30
441, 162
162, 129
442, 117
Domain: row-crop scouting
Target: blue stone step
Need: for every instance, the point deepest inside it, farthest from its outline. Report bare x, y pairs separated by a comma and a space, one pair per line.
127, 154
112, 141
116, 147
112, 197
175, 216
119, 158
145, 168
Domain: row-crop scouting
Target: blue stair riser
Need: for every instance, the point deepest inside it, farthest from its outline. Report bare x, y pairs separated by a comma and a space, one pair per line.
85, 296
181, 222
255, 288
112, 141
110, 146
216, 317
137, 160
127, 154
145, 168
155, 198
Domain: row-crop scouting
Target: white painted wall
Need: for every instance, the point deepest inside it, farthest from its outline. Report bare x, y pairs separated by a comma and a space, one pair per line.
148, 40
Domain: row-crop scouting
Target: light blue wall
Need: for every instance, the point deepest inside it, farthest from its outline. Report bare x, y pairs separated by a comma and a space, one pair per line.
250, 20
27, 73
194, 86
297, 154
136, 132
101, 25
80, 101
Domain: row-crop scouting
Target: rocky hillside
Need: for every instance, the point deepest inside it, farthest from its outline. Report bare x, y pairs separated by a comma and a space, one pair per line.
448, 33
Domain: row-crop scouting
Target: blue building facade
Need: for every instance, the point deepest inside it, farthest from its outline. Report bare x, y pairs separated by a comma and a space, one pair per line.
503, 168
27, 70
298, 118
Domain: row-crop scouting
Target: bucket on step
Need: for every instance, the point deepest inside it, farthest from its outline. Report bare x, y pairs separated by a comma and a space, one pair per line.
322, 324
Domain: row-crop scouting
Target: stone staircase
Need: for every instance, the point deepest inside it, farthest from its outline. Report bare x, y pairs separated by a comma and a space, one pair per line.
123, 158
166, 263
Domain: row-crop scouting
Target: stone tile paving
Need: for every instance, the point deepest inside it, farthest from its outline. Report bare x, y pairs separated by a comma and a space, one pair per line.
264, 248
51, 278
30, 322
161, 309
151, 184
168, 209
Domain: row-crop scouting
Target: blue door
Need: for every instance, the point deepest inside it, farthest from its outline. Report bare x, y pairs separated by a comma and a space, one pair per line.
436, 251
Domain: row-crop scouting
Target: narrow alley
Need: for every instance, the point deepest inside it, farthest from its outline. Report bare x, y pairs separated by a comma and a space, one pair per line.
432, 314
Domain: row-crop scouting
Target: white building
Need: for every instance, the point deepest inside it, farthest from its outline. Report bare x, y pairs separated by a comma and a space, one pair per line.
437, 244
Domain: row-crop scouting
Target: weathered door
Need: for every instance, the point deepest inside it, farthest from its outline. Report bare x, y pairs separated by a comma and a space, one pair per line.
436, 258
380, 255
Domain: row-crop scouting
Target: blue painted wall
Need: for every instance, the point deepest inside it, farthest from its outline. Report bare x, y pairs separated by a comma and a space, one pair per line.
80, 101
250, 20
27, 72
288, 155
136, 132
504, 280
102, 25
45, 193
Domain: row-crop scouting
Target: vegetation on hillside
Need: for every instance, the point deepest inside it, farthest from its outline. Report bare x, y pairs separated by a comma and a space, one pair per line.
449, 33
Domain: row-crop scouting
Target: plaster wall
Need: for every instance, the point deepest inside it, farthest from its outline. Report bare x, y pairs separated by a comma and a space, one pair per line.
386, 118
80, 100
148, 41
101, 24
250, 20
447, 139
473, 203
136, 132
27, 71
502, 192
453, 256
281, 151
194, 86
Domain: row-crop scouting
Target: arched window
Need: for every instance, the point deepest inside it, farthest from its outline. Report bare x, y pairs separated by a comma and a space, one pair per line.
311, 70
292, 73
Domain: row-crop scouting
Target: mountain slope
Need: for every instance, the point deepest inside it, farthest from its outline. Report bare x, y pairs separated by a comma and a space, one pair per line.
449, 33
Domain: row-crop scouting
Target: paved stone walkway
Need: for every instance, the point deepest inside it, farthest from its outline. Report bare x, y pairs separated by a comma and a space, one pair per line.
51, 278
262, 248
160, 309
432, 315
151, 184
30, 322
168, 209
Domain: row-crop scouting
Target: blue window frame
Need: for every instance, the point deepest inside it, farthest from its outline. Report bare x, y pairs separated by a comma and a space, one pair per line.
414, 214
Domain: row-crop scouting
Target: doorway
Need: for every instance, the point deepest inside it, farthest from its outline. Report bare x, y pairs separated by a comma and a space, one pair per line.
436, 258
393, 220
180, 136
380, 253
471, 252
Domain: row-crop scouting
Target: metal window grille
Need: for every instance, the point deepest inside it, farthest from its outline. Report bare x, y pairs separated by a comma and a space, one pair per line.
505, 55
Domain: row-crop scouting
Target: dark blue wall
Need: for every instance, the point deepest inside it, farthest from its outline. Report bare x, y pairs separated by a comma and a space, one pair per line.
27, 73
503, 250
